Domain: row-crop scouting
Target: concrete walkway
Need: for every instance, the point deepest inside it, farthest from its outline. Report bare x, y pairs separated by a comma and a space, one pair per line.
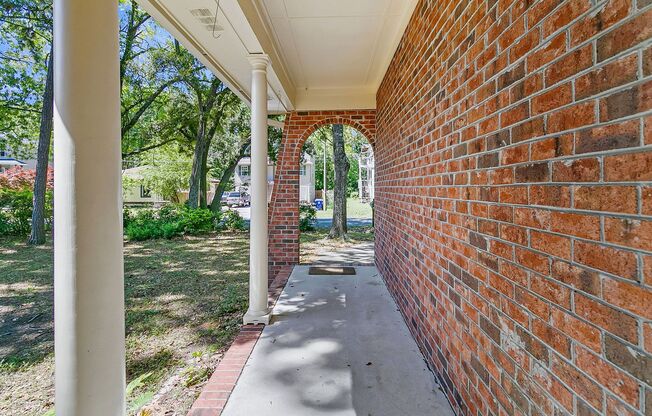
361, 253
337, 346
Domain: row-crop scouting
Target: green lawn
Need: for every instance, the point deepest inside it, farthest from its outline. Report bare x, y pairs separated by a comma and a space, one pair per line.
184, 301
354, 209
185, 298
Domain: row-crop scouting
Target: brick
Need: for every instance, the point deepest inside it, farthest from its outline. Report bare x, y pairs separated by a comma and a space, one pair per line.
515, 154
610, 319
625, 37
551, 148
611, 260
609, 13
556, 196
606, 198
551, 290
564, 15
629, 232
612, 75
607, 375
634, 298
629, 359
551, 50
576, 329
472, 90
581, 279
580, 384
551, 244
534, 172
552, 337
579, 225
531, 128
535, 218
620, 104
647, 61
628, 167
578, 170
571, 117
554, 98
571, 64
533, 261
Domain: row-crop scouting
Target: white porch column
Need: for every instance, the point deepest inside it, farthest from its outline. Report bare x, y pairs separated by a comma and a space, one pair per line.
258, 309
88, 265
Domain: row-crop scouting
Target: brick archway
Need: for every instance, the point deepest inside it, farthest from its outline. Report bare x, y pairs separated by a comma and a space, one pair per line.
284, 206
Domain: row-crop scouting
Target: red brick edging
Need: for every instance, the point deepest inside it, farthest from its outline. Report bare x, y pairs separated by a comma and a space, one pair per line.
216, 392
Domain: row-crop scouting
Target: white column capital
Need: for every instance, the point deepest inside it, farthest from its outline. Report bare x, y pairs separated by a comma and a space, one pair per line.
258, 61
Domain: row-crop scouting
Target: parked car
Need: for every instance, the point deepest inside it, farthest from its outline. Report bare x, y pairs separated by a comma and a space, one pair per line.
239, 199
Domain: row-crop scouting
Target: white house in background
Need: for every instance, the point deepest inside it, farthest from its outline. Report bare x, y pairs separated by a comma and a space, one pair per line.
136, 193
366, 174
242, 177
7, 161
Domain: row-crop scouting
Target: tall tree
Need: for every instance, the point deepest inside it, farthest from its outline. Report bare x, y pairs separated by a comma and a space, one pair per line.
338, 227
37, 235
26, 28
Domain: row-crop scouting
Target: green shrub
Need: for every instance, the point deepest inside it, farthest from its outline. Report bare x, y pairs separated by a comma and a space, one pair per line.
231, 220
169, 221
307, 217
16, 206
197, 221
5, 226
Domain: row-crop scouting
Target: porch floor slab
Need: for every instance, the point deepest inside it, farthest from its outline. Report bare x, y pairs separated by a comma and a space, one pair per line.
337, 345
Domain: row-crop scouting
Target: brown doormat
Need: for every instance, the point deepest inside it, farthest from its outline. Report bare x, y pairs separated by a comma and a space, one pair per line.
331, 270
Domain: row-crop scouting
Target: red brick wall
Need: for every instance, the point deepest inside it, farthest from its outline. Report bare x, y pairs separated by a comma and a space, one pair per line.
284, 207
514, 201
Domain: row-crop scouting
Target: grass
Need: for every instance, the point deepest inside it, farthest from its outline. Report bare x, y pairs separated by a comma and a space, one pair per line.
184, 297
184, 301
354, 209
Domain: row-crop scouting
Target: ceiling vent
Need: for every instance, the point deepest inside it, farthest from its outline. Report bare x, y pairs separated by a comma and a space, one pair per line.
209, 20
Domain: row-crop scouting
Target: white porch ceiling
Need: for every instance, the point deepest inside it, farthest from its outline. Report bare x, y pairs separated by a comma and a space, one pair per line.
325, 54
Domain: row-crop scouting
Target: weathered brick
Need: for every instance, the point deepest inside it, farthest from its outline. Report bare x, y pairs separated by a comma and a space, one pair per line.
626, 36
615, 380
533, 172
571, 117
606, 198
572, 63
576, 329
581, 279
618, 262
549, 195
628, 167
554, 98
614, 136
609, 13
629, 359
627, 102
610, 319
580, 384
578, 170
634, 298
579, 225
609, 76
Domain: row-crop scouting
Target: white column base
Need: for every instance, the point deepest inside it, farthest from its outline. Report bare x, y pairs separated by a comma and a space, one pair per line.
257, 317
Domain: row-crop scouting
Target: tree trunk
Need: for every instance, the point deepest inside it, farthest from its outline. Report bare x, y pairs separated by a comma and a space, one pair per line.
197, 166
37, 236
203, 183
338, 228
216, 203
